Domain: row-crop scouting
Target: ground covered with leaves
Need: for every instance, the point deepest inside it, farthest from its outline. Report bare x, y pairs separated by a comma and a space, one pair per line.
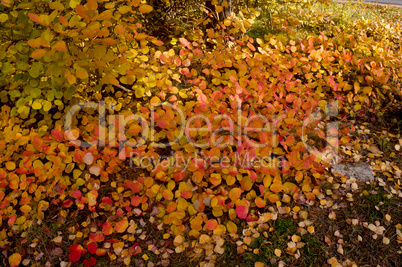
208, 140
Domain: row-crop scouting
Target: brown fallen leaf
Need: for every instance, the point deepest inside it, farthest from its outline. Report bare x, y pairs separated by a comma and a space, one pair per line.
56, 252
374, 149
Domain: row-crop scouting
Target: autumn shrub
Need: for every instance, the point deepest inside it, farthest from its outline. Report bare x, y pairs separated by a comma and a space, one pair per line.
102, 122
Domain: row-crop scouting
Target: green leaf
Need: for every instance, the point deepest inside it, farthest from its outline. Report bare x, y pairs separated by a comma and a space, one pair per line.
3, 17
35, 70
6, 68
68, 94
22, 65
74, 3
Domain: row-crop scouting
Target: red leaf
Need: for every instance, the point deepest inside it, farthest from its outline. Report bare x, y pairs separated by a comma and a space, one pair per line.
253, 175
135, 187
67, 203
135, 249
77, 194
75, 252
12, 220
90, 262
241, 212
92, 247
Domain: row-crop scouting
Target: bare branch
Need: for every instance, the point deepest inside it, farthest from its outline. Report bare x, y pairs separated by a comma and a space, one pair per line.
124, 88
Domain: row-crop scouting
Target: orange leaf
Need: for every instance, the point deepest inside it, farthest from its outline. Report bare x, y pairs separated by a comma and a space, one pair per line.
92, 5
38, 53
276, 187
259, 202
121, 226
167, 194
157, 42
246, 183
14, 260
34, 43
162, 123
58, 135
212, 224
107, 228
234, 194
145, 9
290, 140
273, 198
60, 46
105, 15
215, 179
34, 17
119, 29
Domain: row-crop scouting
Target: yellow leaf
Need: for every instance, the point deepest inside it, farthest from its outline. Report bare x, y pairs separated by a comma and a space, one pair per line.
387, 217
56, 5
10, 166
47, 106
139, 92
219, 9
278, 252
92, 195
231, 226
182, 204
124, 9
74, 3
178, 240
82, 73
204, 239
36, 105
26, 209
